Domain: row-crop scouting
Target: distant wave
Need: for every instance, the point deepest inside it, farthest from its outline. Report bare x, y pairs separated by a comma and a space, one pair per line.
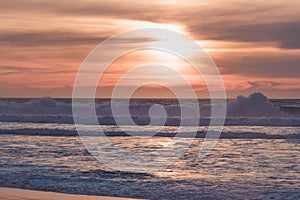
52, 129
171, 121
233, 133
254, 110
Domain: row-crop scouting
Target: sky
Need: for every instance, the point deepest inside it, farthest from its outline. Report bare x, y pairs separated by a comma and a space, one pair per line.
255, 44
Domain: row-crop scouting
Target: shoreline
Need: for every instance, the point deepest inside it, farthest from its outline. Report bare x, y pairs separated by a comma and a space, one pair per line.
24, 194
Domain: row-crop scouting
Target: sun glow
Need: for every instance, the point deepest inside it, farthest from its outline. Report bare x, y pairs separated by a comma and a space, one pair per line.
165, 42
144, 24
167, 59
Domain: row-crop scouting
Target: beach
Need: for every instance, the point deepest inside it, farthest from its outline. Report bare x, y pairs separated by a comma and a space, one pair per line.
21, 194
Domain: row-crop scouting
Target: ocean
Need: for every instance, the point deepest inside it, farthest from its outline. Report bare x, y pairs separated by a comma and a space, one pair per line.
256, 157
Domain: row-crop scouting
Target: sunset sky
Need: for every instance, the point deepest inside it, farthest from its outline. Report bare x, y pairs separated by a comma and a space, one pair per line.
255, 44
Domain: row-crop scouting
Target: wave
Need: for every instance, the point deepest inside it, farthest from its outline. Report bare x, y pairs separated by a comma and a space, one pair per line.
171, 121
233, 133
254, 110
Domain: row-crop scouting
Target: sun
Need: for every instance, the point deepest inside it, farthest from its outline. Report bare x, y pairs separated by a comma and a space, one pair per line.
167, 59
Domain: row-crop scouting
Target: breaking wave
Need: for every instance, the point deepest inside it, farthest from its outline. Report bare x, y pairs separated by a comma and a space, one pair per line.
254, 110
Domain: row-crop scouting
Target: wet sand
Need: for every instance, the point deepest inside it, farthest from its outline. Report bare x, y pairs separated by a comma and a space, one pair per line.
21, 194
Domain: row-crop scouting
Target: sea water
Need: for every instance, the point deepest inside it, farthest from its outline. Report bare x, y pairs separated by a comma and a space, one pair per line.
256, 157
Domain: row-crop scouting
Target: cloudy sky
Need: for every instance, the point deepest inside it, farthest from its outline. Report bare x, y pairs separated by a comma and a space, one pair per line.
255, 44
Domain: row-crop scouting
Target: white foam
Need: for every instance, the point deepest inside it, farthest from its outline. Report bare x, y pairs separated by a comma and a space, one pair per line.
252, 110
256, 105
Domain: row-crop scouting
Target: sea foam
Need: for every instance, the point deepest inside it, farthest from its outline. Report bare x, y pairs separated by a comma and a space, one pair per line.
255, 109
